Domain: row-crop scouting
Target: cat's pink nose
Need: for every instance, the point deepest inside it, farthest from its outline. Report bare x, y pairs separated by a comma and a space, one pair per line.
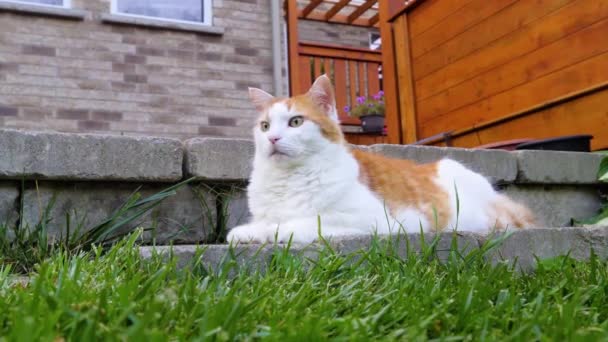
274, 139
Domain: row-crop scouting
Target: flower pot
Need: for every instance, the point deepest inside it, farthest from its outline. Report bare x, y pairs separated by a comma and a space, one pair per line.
372, 123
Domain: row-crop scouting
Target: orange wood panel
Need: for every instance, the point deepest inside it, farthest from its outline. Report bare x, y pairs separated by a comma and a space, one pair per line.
373, 83
352, 82
334, 51
341, 92
361, 76
562, 22
365, 139
491, 29
570, 50
461, 20
327, 66
409, 126
292, 47
340, 86
389, 80
584, 115
304, 73
431, 12
543, 90
317, 62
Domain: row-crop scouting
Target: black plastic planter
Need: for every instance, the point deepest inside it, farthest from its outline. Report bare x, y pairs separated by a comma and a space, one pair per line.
372, 123
574, 143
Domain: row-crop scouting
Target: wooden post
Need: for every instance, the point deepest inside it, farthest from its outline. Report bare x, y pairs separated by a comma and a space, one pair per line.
389, 70
405, 80
292, 43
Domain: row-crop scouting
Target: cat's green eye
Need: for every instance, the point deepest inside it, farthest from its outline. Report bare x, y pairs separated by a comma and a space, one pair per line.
296, 121
264, 126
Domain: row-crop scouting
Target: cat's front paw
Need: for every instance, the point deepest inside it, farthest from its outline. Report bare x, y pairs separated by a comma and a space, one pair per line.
249, 233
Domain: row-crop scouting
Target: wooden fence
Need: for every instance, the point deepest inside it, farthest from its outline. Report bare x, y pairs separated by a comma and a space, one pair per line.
488, 71
353, 71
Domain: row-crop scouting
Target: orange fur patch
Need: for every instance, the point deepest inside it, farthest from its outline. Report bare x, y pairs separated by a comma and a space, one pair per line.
402, 183
304, 105
329, 128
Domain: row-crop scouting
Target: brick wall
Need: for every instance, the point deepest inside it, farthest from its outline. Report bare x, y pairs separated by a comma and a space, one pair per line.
336, 34
91, 76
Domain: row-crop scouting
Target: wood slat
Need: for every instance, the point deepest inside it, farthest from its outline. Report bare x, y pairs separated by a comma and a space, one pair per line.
352, 82
584, 115
360, 10
311, 6
292, 47
409, 124
461, 20
570, 50
365, 139
341, 92
361, 76
327, 51
327, 66
489, 31
545, 89
373, 82
562, 22
304, 70
335, 9
373, 19
389, 80
430, 12
317, 68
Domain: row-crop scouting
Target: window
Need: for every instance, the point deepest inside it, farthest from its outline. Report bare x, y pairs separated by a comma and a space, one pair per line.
192, 11
60, 3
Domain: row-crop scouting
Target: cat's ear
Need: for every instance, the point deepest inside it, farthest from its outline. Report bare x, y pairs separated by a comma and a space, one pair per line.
322, 94
259, 98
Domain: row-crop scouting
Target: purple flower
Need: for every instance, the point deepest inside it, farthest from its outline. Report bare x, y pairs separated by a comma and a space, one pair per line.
360, 99
381, 93
347, 109
377, 97
370, 105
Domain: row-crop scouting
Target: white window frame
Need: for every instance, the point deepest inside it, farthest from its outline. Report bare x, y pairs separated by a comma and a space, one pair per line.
207, 10
66, 3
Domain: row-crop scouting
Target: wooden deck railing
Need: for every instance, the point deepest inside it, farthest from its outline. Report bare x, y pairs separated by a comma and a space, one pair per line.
353, 71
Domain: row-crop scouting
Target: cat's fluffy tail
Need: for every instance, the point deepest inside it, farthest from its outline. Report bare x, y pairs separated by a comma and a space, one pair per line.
510, 214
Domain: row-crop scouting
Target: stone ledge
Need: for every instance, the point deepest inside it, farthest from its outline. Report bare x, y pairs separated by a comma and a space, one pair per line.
51, 11
218, 159
522, 247
497, 166
557, 167
63, 156
160, 23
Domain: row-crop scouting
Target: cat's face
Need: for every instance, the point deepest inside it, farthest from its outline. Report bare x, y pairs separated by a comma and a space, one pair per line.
298, 127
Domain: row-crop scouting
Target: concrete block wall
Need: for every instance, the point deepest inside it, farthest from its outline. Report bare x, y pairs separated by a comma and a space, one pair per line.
90, 176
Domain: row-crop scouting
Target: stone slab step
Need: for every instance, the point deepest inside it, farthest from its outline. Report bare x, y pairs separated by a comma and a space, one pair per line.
524, 246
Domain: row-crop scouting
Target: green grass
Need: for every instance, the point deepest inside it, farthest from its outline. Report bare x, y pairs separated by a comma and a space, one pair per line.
372, 294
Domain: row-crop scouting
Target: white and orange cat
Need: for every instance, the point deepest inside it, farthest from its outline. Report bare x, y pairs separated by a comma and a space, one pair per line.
305, 173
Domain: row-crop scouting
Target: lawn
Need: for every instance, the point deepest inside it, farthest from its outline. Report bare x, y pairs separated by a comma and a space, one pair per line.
372, 294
